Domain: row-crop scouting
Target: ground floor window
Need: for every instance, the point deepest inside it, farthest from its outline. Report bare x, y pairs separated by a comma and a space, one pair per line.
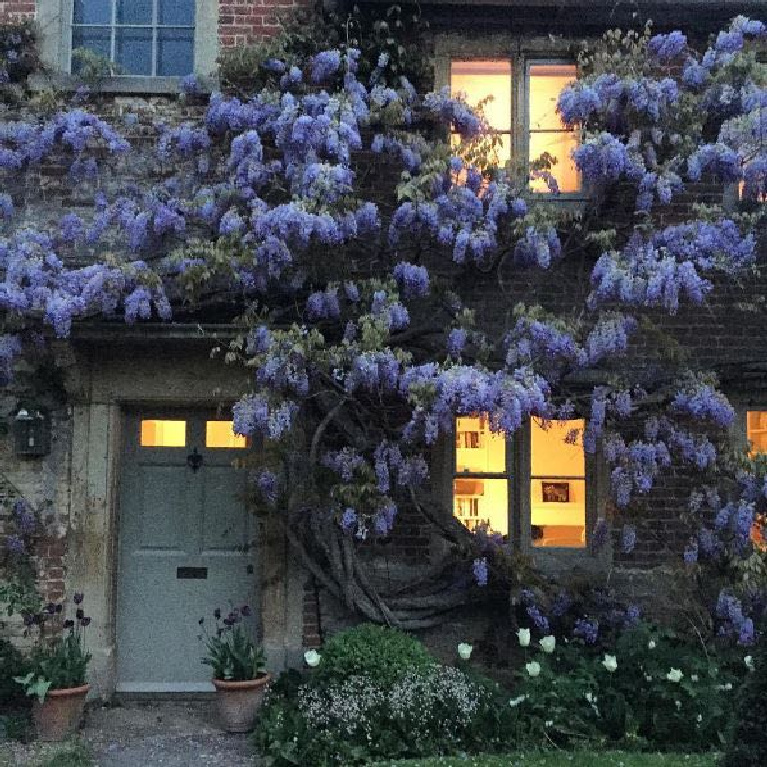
533, 483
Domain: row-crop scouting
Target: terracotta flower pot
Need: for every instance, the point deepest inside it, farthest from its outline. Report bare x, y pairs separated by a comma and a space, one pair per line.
239, 702
60, 713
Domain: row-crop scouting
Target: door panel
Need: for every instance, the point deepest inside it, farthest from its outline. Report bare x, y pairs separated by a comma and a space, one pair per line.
184, 549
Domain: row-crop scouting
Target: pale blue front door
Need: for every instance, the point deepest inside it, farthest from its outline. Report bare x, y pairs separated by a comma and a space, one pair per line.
184, 546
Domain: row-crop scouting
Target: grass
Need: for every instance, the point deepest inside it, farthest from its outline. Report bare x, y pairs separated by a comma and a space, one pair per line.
564, 759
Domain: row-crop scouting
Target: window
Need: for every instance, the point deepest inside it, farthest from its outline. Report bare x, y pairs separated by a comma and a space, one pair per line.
543, 130
482, 479
163, 433
143, 37
557, 484
546, 131
485, 490
756, 433
220, 434
478, 80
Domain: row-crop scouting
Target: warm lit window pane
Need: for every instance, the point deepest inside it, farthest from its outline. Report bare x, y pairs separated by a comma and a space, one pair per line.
756, 425
558, 512
477, 449
560, 147
163, 433
221, 434
478, 500
547, 132
479, 79
547, 81
557, 448
557, 505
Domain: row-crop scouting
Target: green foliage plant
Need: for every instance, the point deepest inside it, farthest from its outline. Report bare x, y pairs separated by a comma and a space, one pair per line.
382, 653
747, 744
59, 661
230, 650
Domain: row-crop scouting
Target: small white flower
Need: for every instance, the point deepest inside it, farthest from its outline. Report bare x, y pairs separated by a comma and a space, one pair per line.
464, 651
590, 697
610, 663
549, 722
651, 645
648, 677
699, 718
548, 643
524, 637
312, 658
678, 704
533, 668
674, 675
693, 677
514, 702
749, 661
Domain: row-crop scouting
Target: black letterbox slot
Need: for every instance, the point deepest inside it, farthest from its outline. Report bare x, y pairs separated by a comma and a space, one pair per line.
192, 573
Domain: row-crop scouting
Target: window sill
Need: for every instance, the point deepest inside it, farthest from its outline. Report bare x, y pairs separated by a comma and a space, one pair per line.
129, 85
556, 560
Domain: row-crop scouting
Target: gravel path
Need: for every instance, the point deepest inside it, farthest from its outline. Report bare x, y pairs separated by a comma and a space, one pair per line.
177, 734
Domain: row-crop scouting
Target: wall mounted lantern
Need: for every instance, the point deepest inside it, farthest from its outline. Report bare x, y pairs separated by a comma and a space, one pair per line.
32, 432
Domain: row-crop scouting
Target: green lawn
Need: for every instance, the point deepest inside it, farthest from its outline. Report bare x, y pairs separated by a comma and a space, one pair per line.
564, 759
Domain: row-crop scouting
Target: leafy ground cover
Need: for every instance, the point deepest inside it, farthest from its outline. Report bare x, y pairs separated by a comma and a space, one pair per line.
563, 759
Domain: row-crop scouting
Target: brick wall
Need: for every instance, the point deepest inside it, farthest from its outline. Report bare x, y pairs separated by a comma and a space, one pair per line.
243, 21
16, 10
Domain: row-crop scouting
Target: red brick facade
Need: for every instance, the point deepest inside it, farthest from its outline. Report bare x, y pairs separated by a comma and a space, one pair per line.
243, 21
16, 10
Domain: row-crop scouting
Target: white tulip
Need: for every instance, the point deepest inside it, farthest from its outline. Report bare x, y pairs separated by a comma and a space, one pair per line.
610, 663
312, 658
749, 661
464, 651
674, 675
524, 637
651, 644
548, 643
533, 668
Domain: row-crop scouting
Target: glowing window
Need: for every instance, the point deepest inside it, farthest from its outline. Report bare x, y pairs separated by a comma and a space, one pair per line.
547, 133
163, 433
557, 484
220, 434
479, 79
756, 432
480, 495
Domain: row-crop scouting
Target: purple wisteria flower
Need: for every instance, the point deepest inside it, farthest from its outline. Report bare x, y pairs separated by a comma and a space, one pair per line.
479, 568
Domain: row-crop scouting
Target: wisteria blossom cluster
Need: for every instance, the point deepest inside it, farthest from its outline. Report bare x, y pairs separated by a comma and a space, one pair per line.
353, 237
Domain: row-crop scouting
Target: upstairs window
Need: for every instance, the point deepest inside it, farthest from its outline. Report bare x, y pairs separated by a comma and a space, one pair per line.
756, 433
536, 131
142, 37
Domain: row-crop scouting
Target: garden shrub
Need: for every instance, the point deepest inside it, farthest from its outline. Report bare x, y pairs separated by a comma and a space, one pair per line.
381, 653
429, 710
663, 693
747, 745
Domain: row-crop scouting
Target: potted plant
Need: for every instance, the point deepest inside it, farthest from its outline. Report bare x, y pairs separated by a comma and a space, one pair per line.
239, 674
56, 677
